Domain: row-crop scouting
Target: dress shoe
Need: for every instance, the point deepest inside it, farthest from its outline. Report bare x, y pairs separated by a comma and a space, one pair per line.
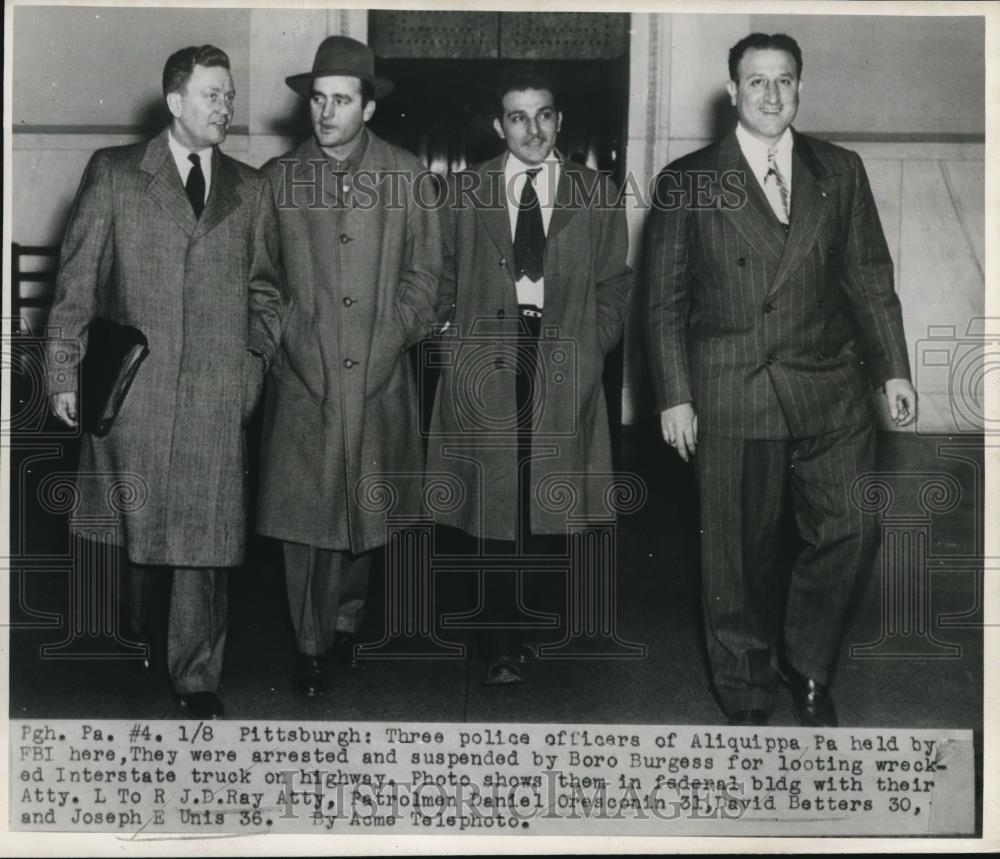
309, 679
503, 672
811, 701
749, 716
343, 650
527, 653
202, 705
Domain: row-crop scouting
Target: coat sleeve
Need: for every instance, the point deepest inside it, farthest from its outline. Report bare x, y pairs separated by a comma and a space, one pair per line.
84, 266
613, 279
447, 290
267, 288
419, 280
868, 284
668, 255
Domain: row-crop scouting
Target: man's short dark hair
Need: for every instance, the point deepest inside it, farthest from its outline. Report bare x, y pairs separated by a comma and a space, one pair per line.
180, 65
521, 79
763, 42
367, 92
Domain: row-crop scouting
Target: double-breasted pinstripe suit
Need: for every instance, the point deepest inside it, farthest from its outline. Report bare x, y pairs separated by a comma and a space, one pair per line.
777, 337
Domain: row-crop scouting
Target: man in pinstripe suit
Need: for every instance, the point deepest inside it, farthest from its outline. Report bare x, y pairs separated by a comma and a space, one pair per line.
772, 316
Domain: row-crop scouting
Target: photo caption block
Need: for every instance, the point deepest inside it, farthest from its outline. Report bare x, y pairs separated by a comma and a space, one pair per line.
148, 779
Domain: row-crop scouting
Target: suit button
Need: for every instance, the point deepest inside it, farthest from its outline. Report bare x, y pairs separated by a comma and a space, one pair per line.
348, 301
344, 238
821, 357
770, 359
742, 261
768, 307
500, 314
820, 304
503, 262
348, 363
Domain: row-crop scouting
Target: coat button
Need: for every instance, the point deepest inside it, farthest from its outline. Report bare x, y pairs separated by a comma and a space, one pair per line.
741, 261
503, 262
344, 238
821, 357
348, 363
770, 359
500, 313
820, 304
348, 301
768, 307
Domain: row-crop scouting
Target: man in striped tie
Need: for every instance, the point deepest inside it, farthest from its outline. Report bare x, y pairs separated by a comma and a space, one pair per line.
772, 317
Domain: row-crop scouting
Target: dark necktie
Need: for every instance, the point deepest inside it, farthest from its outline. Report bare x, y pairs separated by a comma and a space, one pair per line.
195, 186
529, 235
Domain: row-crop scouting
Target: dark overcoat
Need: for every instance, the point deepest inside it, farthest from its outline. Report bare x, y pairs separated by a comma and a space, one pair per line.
204, 292
472, 450
341, 448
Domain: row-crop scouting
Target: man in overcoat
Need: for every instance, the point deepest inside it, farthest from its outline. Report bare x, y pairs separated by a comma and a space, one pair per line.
535, 293
179, 240
361, 248
772, 318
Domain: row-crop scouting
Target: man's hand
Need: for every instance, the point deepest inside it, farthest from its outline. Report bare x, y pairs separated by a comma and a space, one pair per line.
902, 401
63, 406
680, 429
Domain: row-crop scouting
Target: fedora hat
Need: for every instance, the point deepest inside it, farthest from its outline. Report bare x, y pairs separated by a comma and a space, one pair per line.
341, 55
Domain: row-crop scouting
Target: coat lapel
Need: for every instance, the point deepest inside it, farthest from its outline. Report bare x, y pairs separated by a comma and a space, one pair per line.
564, 208
222, 196
492, 209
754, 218
165, 183
810, 208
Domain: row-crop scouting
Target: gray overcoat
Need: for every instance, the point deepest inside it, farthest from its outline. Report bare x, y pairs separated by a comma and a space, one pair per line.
204, 292
341, 447
472, 451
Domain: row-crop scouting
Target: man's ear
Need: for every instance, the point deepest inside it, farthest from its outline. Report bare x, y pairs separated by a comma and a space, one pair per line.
558, 121
731, 89
368, 111
174, 103
498, 128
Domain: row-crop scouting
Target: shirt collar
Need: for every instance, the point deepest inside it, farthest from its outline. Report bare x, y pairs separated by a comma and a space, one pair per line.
756, 150
352, 162
181, 152
514, 165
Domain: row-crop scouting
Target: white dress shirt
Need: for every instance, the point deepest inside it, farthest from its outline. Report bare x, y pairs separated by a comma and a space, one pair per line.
514, 176
755, 152
181, 154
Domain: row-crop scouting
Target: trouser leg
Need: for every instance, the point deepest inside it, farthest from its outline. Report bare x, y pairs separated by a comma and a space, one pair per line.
740, 488
326, 589
196, 630
840, 540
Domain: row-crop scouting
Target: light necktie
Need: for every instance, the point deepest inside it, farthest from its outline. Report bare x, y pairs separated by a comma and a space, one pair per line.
529, 234
195, 185
775, 188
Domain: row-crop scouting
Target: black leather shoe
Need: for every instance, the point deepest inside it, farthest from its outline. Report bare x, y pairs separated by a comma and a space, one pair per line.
343, 650
503, 672
310, 679
749, 716
202, 705
811, 701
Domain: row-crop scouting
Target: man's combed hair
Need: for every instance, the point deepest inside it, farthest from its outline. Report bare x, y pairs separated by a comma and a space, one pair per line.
180, 65
763, 42
521, 79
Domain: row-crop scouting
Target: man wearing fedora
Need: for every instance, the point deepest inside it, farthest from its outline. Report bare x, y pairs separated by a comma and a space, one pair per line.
362, 259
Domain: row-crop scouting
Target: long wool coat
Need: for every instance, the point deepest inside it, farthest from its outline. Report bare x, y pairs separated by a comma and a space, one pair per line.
472, 451
204, 292
341, 448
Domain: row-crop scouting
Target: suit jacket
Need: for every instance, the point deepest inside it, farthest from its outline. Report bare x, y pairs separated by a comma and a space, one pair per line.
473, 443
342, 418
768, 334
204, 291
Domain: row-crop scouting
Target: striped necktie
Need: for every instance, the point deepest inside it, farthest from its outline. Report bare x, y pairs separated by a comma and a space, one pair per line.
775, 188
